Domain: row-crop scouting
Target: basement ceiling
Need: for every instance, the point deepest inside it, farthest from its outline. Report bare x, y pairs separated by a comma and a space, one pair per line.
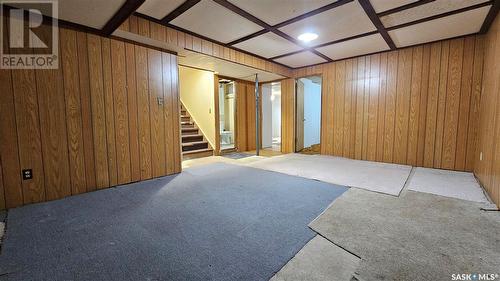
345, 28
270, 28
225, 68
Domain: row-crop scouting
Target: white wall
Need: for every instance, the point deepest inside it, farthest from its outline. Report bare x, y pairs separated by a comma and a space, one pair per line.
197, 94
267, 116
312, 112
276, 108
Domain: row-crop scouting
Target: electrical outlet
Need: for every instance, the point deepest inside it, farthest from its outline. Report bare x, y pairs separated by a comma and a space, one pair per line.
160, 100
27, 174
481, 156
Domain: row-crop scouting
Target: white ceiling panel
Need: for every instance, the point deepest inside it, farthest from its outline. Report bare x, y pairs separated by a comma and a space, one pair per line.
384, 5
341, 22
300, 59
430, 9
268, 45
159, 8
277, 11
226, 68
211, 20
92, 13
447, 27
356, 47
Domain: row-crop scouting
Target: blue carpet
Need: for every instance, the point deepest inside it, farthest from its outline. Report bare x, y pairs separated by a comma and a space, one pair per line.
215, 222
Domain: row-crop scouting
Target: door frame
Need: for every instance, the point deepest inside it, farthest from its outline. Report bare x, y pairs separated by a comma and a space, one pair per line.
322, 106
218, 150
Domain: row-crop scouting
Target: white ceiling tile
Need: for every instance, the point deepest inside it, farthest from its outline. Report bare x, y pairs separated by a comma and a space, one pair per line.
226, 68
92, 13
268, 45
384, 5
447, 27
430, 9
211, 20
341, 22
277, 11
356, 47
159, 8
300, 59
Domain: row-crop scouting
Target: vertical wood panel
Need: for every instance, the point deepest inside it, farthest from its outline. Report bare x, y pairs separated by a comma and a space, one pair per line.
85, 99
28, 129
338, 108
176, 113
402, 106
168, 114
413, 121
390, 106
452, 103
465, 99
121, 122
98, 111
52, 113
487, 167
156, 113
443, 86
424, 92
110, 111
9, 149
135, 165
143, 111
74, 123
472, 136
381, 107
373, 104
432, 105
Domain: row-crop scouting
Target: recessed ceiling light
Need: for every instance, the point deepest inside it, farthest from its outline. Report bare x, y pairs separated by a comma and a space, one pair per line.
307, 37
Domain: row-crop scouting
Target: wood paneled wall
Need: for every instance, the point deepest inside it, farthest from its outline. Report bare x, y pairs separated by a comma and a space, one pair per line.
186, 41
245, 115
288, 115
417, 106
488, 169
93, 123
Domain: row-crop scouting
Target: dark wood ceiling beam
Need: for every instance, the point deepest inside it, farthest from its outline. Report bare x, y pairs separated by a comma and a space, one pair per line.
248, 37
449, 13
327, 43
230, 6
267, 27
313, 12
370, 12
292, 20
125, 11
490, 17
179, 10
404, 7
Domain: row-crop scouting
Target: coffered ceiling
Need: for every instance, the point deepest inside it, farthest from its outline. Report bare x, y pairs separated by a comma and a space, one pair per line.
345, 28
270, 28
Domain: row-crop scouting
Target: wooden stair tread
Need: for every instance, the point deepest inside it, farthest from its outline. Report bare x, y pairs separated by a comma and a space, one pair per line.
197, 151
193, 143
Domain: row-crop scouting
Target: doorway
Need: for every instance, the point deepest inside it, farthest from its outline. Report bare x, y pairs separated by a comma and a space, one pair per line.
308, 115
227, 114
271, 116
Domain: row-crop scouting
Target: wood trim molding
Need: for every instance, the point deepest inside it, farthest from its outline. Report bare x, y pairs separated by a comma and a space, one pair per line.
179, 10
442, 15
126, 10
404, 7
492, 14
370, 12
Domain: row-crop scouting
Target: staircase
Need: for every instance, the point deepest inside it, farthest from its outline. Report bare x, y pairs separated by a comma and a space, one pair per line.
194, 144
